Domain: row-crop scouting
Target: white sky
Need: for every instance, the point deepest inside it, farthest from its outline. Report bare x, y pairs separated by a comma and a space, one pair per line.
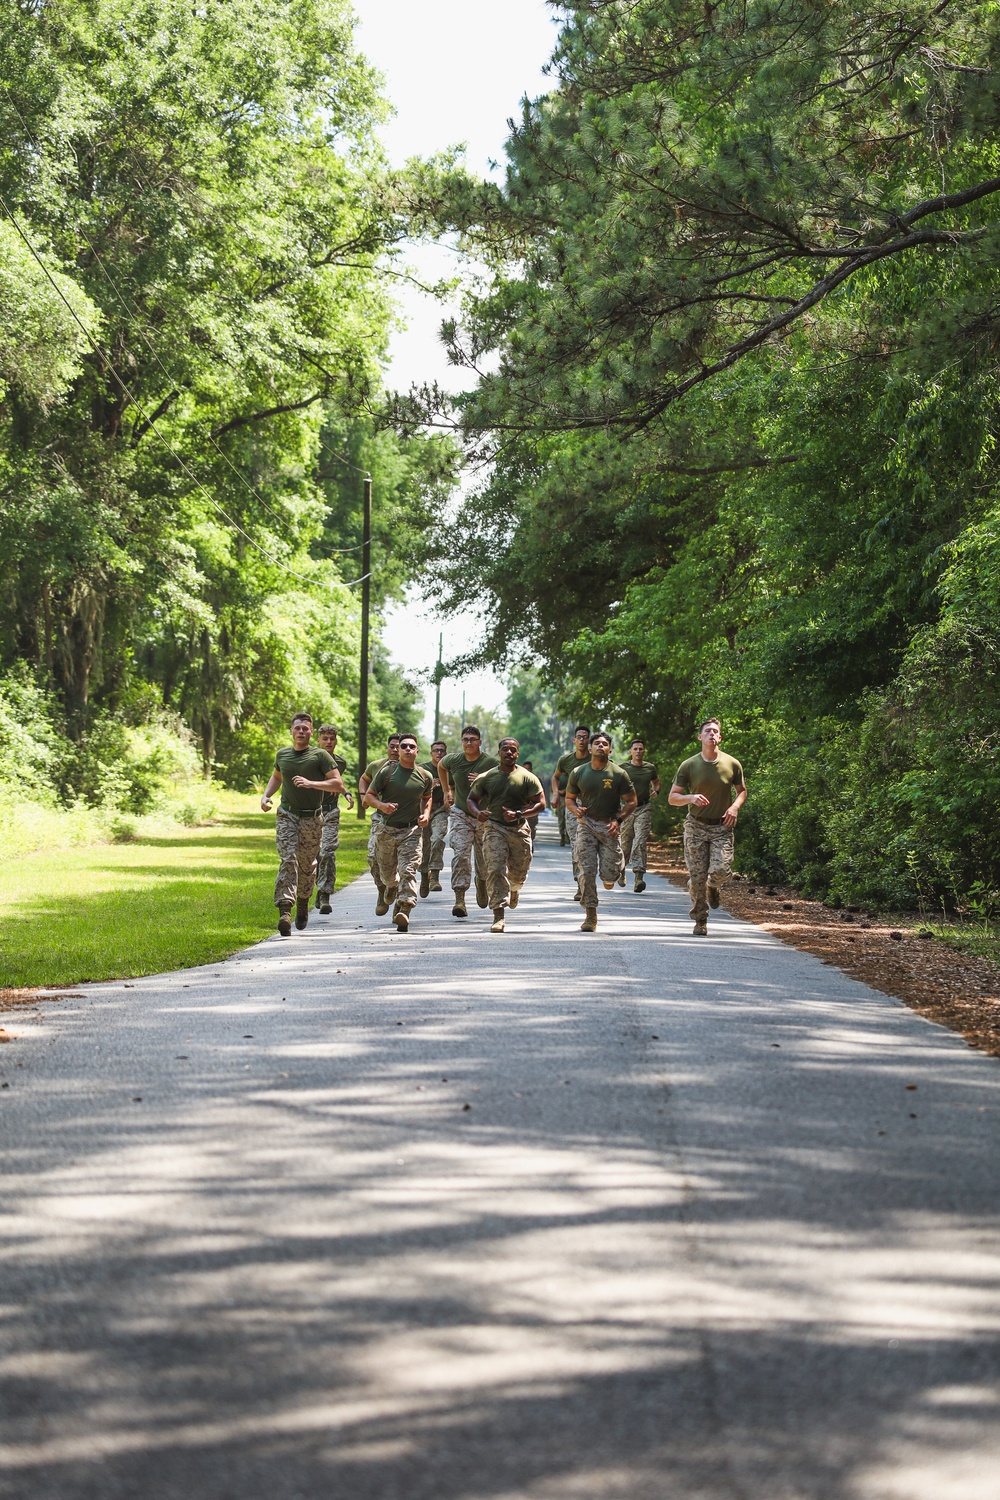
456, 71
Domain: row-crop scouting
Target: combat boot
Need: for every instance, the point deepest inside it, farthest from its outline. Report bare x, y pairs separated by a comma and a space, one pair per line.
435, 880
700, 929
590, 922
401, 917
302, 912
515, 897
481, 897
284, 921
621, 878
323, 903
640, 884
713, 895
497, 919
458, 910
425, 883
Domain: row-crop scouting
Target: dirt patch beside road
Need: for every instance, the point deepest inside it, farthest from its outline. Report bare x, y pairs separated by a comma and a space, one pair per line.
885, 952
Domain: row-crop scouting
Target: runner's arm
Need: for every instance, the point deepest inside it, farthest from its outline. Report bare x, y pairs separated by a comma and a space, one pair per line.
654, 787
732, 811
573, 804
274, 781
678, 797
332, 783
446, 787
474, 808
425, 809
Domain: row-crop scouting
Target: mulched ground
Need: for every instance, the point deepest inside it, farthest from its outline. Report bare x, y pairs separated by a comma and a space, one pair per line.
884, 951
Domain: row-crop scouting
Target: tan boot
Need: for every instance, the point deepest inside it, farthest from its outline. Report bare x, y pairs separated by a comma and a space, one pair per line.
435, 880
515, 897
425, 884
459, 909
401, 917
497, 919
700, 929
590, 924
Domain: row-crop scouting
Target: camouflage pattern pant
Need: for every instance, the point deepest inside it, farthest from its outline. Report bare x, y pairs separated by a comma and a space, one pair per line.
465, 835
326, 878
635, 835
377, 820
507, 852
397, 851
432, 844
572, 830
597, 852
561, 820
298, 849
708, 854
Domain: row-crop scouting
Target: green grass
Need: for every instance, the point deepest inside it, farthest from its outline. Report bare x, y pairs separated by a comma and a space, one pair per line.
114, 911
977, 939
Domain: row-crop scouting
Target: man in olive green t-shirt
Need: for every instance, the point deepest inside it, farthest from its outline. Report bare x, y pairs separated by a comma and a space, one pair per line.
401, 791
578, 756
326, 869
465, 834
305, 774
598, 794
502, 801
712, 787
436, 832
364, 782
635, 828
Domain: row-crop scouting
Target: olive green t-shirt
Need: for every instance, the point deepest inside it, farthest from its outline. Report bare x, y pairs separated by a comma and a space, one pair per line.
331, 799
461, 771
567, 763
313, 763
394, 783
714, 779
373, 767
438, 798
600, 792
495, 790
642, 778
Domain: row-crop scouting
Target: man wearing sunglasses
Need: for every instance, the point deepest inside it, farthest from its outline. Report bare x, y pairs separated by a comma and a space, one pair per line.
401, 792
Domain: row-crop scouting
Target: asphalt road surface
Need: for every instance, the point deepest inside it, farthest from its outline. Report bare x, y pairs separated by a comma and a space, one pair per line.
542, 1216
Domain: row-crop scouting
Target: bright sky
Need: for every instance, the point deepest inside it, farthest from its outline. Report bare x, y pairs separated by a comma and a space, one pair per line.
456, 71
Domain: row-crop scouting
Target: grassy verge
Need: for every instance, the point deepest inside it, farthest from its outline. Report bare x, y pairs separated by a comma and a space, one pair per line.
977, 939
114, 911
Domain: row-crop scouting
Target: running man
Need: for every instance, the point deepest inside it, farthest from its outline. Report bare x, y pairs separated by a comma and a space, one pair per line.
596, 794
401, 791
635, 828
712, 787
364, 782
326, 873
304, 776
432, 845
503, 801
457, 772
578, 756
533, 820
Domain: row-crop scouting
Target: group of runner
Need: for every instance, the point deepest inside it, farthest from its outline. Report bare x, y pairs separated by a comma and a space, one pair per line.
486, 808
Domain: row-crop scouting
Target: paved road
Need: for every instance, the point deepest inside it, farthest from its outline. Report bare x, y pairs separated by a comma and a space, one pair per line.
547, 1216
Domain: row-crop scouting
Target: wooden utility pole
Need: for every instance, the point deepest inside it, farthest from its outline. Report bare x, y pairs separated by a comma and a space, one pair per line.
366, 599
437, 690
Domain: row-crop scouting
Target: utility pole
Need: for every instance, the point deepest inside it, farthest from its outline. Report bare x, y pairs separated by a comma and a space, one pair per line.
462, 724
366, 599
437, 690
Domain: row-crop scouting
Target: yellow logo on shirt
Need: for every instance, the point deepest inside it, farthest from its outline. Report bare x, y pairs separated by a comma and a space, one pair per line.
608, 782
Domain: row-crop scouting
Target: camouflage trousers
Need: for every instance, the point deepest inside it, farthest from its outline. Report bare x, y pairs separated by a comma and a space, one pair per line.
708, 854
465, 835
635, 836
377, 820
298, 850
561, 820
326, 877
596, 852
432, 843
507, 852
397, 852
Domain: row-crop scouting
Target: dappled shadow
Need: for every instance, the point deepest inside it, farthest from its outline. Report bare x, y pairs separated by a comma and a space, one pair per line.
259, 1247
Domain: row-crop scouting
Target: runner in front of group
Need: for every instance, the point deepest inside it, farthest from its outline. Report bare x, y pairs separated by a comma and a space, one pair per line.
712, 787
465, 833
326, 870
503, 800
598, 794
432, 844
635, 828
401, 791
304, 774
364, 782
578, 756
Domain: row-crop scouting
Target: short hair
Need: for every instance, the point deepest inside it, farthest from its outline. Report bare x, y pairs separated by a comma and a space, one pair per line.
328, 729
584, 727
393, 738
600, 734
509, 739
637, 741
712, 719
439, 745
302, 718
408, 736
471, 729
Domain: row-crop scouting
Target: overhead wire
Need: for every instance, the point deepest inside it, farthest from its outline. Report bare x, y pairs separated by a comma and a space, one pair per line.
133, 313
